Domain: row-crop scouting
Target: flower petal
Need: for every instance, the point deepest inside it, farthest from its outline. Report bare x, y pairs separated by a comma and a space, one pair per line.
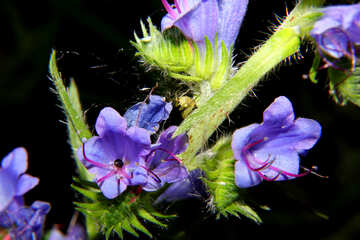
110, 121
112, 187
16, 161
149, 115
232, 13
244, 177
280, 113
200, 21
7, 188
140, 176
26, 183
137, 145
240, 139
302, 135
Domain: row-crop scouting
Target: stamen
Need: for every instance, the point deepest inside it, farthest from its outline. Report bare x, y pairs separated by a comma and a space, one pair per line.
164, 150
97, 164
169, 9
269, 179
157, 179
177, 6
250, 145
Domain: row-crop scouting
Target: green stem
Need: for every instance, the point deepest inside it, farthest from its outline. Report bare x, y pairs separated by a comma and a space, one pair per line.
285, 42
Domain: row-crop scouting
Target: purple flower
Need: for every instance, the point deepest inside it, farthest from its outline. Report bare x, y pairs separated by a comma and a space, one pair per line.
338, 31
13, 180
75, 232
270, 150
119, 156
25, 222
199, 18
149, 115
165, 167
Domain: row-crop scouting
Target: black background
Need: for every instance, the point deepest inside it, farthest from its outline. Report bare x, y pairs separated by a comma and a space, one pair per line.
92, 39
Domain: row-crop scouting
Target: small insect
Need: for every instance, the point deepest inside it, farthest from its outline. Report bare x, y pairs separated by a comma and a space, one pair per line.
185, 104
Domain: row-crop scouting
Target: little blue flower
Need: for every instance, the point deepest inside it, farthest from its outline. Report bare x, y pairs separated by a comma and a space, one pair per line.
338, 31
13, 180
199, 18
121, 156
270, 150
117, 156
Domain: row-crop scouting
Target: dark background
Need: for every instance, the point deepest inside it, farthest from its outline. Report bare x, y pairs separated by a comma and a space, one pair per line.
92, 40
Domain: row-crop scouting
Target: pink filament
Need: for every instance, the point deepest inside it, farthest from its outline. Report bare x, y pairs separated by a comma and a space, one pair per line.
110, 174
169, 9
267, 164
164, 150
157, 179
101, 165
177, 6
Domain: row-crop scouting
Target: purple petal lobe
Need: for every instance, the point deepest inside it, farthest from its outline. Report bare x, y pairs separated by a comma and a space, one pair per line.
280, 112
7, 188
25, 184
112, 187
244, 177
110, 121
231, 14
16, 161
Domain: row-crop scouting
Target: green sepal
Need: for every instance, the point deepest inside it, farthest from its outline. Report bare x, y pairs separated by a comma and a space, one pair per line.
227, 198
344, 85
223, 69
314, 68
169, 51
127, 212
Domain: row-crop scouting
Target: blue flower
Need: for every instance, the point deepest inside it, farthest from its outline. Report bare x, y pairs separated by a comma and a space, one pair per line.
13, 180
149, 115
25, 222
337, 32
117, 156
199, 18
270, 150
122, 156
